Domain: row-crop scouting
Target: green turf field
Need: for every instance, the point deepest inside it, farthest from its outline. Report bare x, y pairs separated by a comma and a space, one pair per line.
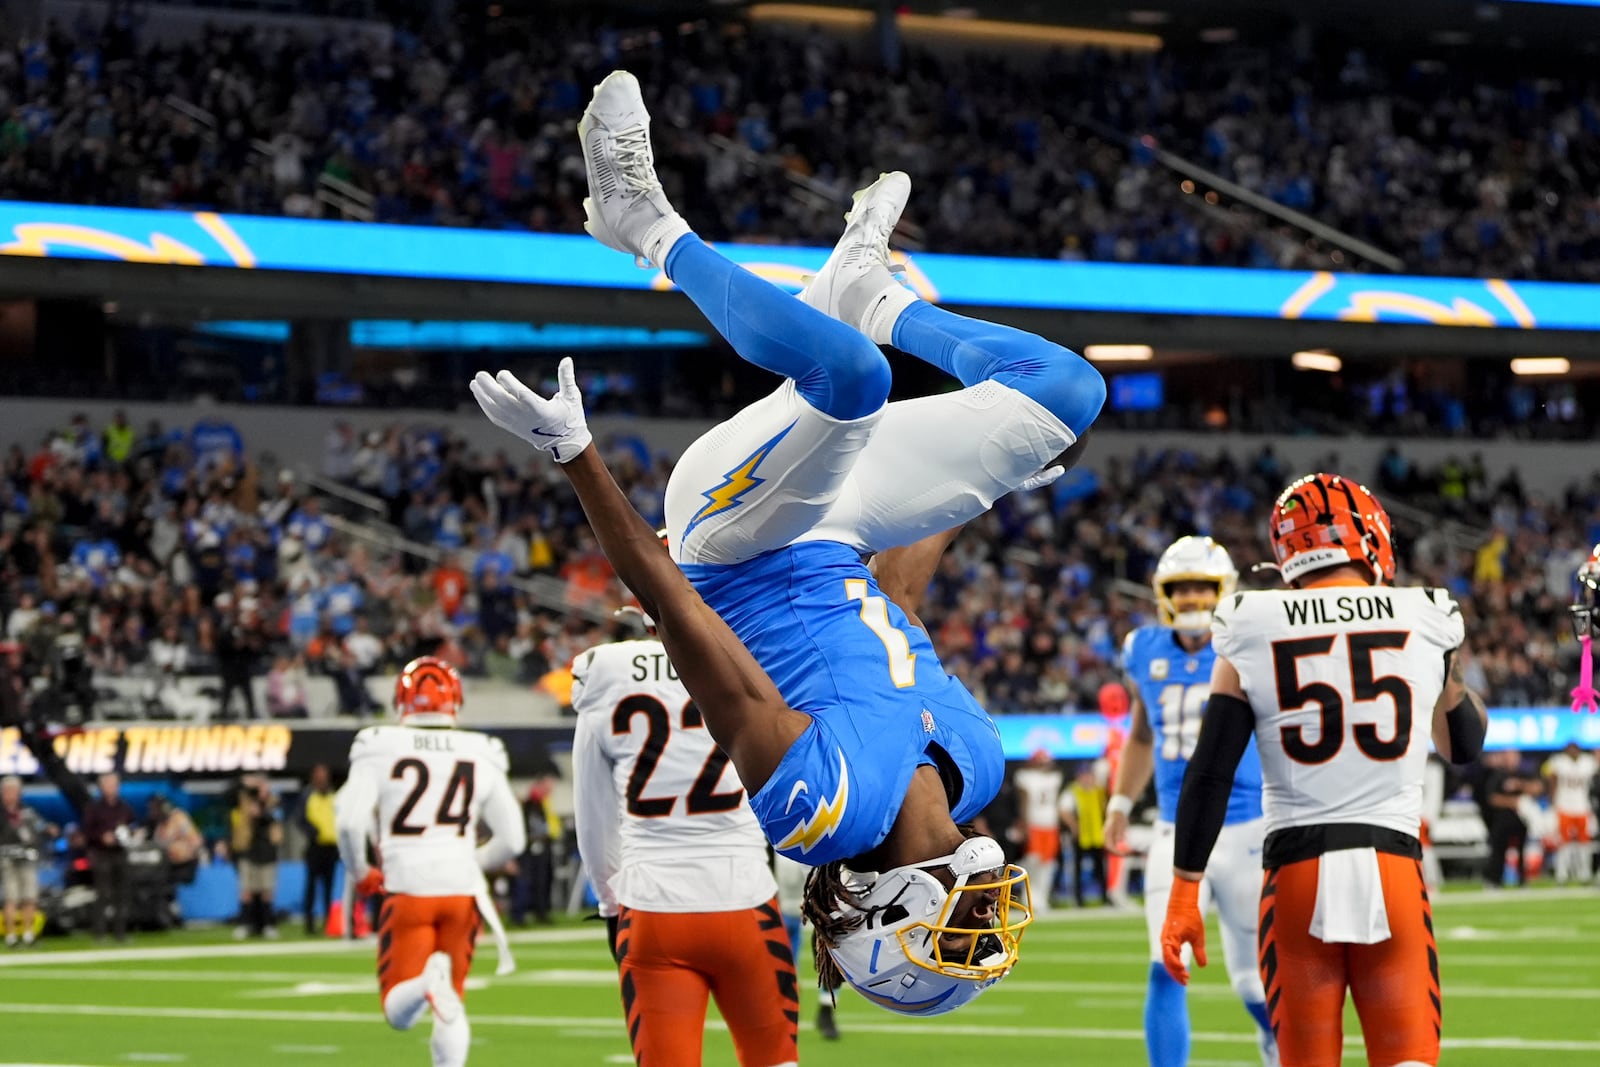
1521, 975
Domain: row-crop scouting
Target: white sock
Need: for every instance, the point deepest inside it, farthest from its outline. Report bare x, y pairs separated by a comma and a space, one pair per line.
449, 1042
661, 236
827, 998
884, 312
406, 1002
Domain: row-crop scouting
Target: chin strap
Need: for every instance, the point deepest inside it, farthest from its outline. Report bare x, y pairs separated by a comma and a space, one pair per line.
1584, 696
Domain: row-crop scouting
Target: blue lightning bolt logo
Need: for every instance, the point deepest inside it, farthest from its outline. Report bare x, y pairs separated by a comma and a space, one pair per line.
730, 492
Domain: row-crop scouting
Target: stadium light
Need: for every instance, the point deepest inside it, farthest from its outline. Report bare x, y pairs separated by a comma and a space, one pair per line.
962, 25
1325, 361
1541, 365
1119, 353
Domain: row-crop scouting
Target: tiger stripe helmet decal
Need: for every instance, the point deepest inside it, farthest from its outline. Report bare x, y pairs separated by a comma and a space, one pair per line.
1324, 520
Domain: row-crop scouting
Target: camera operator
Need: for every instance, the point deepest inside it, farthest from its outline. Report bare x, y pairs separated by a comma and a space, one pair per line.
257, 833
108, 830
23, 833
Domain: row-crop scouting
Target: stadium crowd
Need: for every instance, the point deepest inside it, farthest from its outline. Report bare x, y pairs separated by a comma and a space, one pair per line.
1456, 169
153, 554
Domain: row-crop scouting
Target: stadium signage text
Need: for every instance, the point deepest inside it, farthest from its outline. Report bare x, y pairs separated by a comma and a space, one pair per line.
224, 749
247, 242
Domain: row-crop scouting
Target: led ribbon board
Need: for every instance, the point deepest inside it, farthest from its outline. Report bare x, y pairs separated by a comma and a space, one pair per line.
1086, 736
246, 242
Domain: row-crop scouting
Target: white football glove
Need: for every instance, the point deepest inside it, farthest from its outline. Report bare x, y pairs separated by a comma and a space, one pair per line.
554, 425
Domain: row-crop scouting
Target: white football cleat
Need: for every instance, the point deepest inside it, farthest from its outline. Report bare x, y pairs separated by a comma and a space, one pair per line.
857, 275
626, 208
441, 994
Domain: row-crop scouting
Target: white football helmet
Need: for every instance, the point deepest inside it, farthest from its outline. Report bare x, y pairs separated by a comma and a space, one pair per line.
901, 957
1192, 559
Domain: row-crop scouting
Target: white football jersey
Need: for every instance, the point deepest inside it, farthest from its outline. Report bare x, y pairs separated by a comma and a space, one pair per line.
1039, 790
664, 823
1343, 681
1573, 776
419, 794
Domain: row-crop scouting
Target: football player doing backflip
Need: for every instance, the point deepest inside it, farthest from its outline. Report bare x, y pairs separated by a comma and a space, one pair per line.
863, 757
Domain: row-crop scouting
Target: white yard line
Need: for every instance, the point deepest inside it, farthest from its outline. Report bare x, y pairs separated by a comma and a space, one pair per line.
329, 947
600, 1025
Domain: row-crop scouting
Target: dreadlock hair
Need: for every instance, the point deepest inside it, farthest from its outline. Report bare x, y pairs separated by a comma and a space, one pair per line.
826, 895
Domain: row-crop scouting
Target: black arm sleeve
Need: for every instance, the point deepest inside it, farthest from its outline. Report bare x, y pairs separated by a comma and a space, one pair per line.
1467, 729
1203, 805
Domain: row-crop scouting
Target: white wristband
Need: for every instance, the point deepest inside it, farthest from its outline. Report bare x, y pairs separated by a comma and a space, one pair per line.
1119, 805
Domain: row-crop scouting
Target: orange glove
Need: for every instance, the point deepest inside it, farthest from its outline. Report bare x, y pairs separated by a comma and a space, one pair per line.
371, 884
1184, 925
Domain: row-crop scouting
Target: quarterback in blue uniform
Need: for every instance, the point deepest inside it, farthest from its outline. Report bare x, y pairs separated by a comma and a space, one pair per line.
862, 756
1168, 668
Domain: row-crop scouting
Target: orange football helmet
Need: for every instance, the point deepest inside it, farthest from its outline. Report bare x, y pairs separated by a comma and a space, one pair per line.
428, 693
1323, 520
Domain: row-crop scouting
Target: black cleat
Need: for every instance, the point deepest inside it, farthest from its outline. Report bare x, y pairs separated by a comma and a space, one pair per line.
825, 1024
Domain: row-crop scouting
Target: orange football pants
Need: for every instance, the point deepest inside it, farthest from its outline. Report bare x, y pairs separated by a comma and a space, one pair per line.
1395, 983
670, 964
1044, 842
410, 929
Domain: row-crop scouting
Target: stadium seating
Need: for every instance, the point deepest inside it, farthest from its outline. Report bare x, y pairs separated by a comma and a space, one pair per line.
1454, 169
1029, 609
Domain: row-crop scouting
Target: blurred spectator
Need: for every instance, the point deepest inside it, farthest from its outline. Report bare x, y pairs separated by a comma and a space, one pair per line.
365, 649
256, 836
107, 830
118, 439
536, 866
1500, 793
1083, 812
174, 832
71, 674
1038, 785
239, 647
349, 681
450, 585
23, 836
286, 689
322, 842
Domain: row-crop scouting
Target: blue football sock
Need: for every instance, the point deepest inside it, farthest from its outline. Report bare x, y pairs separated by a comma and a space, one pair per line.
1166, 1020
973, 350
838, 370
1258, 1012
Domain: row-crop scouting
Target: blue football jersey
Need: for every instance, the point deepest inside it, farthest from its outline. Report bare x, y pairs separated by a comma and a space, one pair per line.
879, 700
1173, 685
